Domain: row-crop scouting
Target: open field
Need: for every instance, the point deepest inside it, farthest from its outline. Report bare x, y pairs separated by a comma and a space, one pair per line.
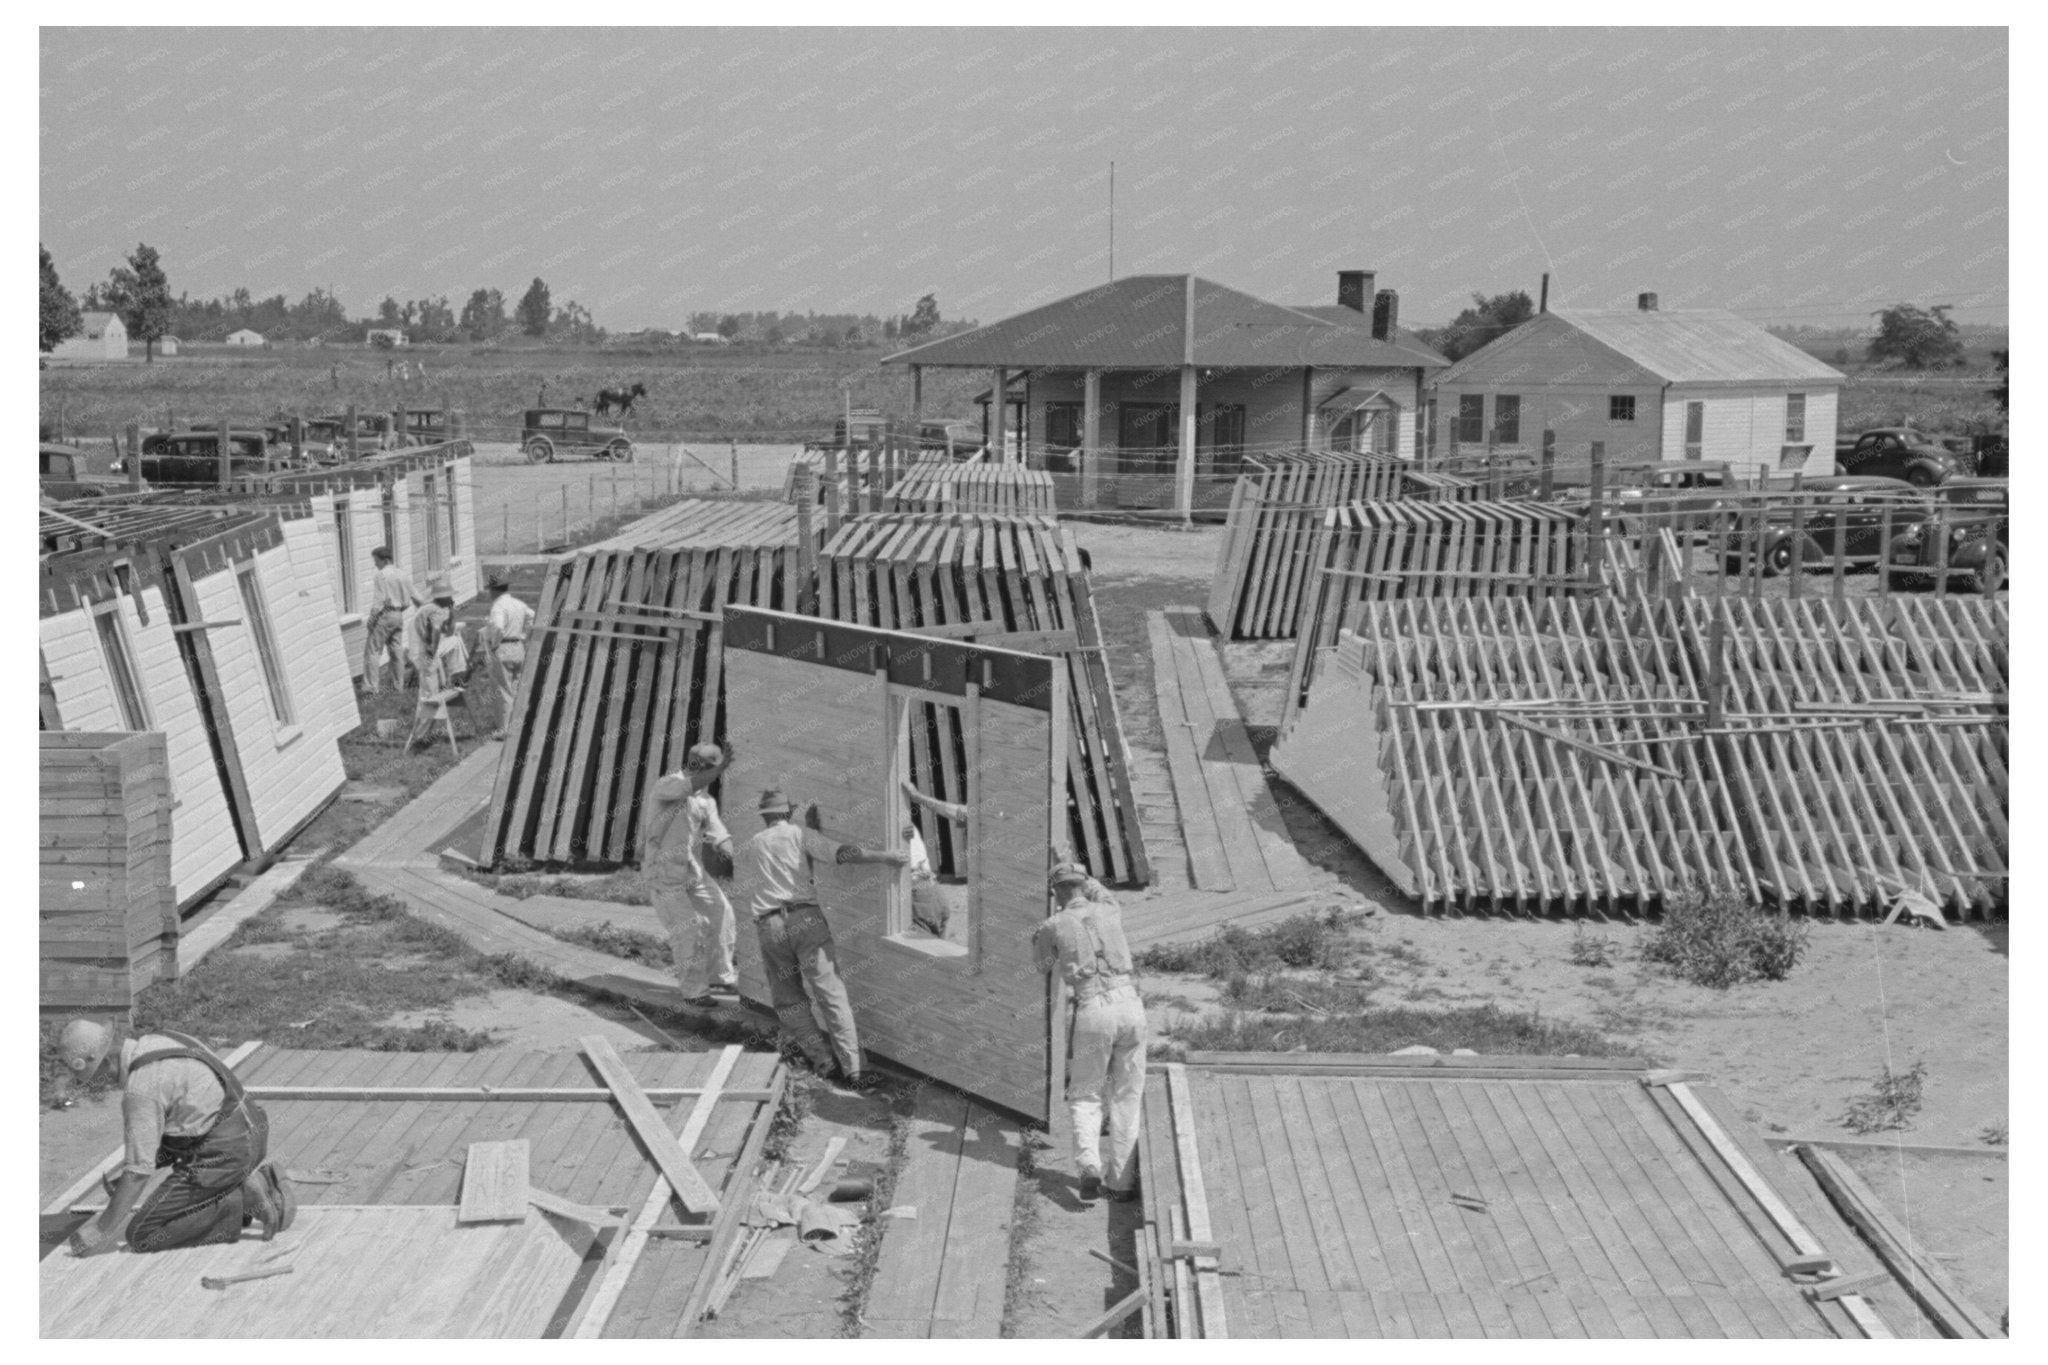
700, 393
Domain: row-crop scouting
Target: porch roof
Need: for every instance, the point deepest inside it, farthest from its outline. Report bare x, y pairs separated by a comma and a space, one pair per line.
1140, 322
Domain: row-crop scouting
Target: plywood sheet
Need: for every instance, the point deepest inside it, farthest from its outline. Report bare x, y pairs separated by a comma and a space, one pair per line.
494, 1182
391, 1271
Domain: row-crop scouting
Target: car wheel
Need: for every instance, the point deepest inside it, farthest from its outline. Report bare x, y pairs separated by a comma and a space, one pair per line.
539, 451
1921, 478
1989, 576
1908, 582
620, 450
1778, 559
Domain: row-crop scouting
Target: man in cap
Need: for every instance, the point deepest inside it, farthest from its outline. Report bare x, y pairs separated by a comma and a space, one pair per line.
195, 1171
1084, 941
391, 594
776, 867
505, 643
682, 825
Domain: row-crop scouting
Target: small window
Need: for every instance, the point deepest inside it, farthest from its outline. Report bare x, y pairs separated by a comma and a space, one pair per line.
1507, 419
1621, 407
430, 519
1795, 418
345, 543
122, 674
1695, 430
1225, 423
256, 611
1471, 419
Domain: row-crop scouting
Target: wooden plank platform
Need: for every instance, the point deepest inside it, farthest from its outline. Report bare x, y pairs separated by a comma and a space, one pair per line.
1467, 1203
943, 1273
1236, 838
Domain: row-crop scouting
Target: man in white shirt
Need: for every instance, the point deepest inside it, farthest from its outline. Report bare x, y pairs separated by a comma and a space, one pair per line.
693, 909
796, 942
391, 594
505, 644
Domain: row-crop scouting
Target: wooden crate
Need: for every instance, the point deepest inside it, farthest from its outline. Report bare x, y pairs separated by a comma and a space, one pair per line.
109, 919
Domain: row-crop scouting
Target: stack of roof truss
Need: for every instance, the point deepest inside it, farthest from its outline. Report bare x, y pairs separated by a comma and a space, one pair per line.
947, 486
1016, 582
1572, 754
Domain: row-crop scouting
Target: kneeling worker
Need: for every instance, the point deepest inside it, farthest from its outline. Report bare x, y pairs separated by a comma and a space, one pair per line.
796, 943
196, 1172
1084, 940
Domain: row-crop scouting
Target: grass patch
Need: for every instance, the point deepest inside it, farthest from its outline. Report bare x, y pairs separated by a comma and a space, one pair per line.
1023, 1223
623, 887
1483, 1028
1993, 1135
1721, 941
633, 945
1301, 942
867, 1239
1592, 950
1297, 995
1893, 1100
799, 1094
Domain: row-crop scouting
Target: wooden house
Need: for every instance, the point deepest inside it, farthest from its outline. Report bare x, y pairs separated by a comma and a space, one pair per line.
1149, 391
246, 336
1685, 386
214, 626
101, 336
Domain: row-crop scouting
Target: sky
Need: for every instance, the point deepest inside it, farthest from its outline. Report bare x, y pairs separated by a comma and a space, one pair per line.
1798, 175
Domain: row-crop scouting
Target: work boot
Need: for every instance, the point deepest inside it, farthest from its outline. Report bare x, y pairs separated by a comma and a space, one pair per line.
284, 1193
1091, 1186
259, 1205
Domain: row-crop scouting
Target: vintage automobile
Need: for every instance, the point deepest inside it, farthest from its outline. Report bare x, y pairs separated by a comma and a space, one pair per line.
1974, 515
426, 426
1845, 519
1900, 453
374, 431
193, 457
546, 433
62, 470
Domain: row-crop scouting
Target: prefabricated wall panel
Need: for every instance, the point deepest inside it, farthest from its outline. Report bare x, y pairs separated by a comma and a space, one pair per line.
203, 844
108, 918
976, 1019
1565, 753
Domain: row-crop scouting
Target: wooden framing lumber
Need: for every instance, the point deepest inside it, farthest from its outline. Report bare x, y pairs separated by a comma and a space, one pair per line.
674, 1161
1123, 1308
1208, 1289
468, 1093
494, 1187
945, 486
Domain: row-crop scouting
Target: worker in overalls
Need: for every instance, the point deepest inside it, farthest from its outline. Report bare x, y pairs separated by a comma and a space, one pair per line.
686, 844
505, 644
195, 1171
1084, 941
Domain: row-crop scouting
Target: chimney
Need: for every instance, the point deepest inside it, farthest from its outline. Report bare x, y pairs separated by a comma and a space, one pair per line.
1646, 303
1386, 315
1543, 306
1354, 289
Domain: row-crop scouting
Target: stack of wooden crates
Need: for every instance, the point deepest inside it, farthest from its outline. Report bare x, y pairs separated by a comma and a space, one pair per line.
109, 919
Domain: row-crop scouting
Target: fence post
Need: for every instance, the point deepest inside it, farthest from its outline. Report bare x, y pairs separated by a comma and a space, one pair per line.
1799, 535
355, 448
804, 490
1546, 473
735, 464
224, 475
135, 455
1596, 525
831, 491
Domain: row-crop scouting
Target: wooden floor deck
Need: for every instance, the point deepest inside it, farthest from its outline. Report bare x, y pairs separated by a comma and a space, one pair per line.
943, 1272
1236, 838
377, 1141
1456, 1204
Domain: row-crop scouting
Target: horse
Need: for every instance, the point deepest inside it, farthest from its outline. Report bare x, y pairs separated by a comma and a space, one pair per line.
622, 399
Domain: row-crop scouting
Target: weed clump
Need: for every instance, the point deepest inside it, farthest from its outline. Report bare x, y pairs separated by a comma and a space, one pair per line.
1589, 950
1302, 941
1721, 941
1893, 1100
633, 945
1484, 1029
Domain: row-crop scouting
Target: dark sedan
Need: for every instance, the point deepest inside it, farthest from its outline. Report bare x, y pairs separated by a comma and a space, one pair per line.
1968, 538
1841, 518
1902, 453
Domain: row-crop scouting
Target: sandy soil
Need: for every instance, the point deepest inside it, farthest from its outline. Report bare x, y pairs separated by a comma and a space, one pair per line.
1956, 1209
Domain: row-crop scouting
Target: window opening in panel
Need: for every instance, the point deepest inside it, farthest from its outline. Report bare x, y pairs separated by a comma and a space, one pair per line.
929, 807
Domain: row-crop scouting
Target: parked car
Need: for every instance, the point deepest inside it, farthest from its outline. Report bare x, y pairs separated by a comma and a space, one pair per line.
1859, 504
1900, 453
548, 432
426, 426
1991, 455
956, 440
1979, 550
62, 470
374, 431
193, 457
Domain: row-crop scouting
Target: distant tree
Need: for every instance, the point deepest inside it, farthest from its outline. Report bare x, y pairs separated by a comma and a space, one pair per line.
436, 320
1486, 320
483, 317
389, 314
852, 336
1997, 395
572, 322
892, 328
923, 319
142, 296
729, 327
60, 311
318, 315
1916, 338
534, 310
773, 336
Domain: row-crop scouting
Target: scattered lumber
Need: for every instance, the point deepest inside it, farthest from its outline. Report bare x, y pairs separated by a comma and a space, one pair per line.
946, 486
986, 578
1548, 753
669, 1155
1276, 511
623, 675
494, 1188
223, 1281
549, 1202
1123, 1308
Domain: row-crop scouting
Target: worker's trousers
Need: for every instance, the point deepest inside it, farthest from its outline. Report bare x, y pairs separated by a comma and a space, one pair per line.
378, 638
510, 658
1108, 1050
803, 969
202, 1202
700, 928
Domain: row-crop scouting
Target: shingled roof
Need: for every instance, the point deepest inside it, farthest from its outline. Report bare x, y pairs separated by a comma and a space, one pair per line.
1686, 346
1140, 322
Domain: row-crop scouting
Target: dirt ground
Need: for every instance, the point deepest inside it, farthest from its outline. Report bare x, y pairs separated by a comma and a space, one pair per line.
1956, 1209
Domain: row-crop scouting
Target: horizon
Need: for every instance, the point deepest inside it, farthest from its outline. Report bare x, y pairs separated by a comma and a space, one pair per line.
864, 168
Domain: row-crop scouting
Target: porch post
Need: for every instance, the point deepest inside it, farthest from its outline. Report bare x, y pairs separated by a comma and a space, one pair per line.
1308, 408
1186, 481
1091, 438
998, 414
916, 410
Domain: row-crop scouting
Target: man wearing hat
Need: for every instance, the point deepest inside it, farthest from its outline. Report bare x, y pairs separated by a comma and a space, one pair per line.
505, 643
1084, 940
698, 917
796, 941
195, 1171
391, 594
